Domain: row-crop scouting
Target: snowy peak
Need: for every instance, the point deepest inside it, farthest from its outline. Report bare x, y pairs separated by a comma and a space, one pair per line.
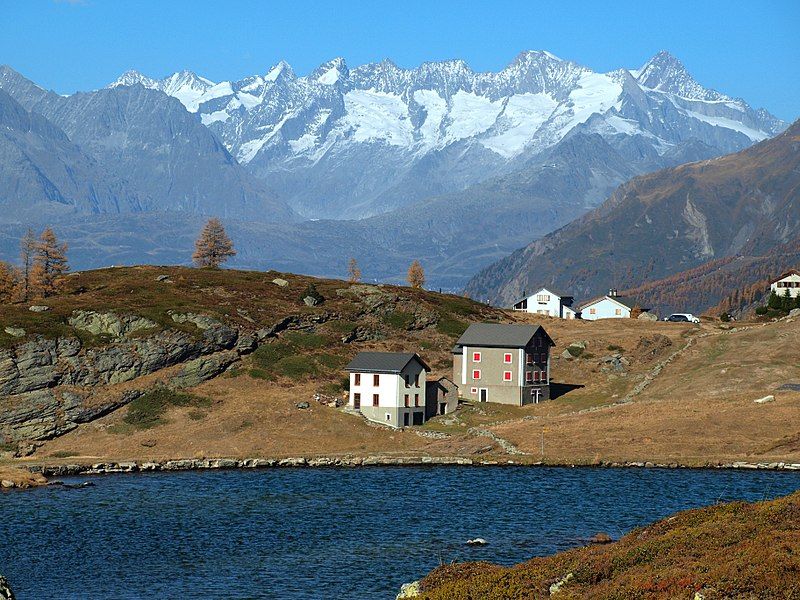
133, 77
281, 71
331, 72
665, 73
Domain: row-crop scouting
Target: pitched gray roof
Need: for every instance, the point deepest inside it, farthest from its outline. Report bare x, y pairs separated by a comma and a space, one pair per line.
631, 303
497, 335
383, 362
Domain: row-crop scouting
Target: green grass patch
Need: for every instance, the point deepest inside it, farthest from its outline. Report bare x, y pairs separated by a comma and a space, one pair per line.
308, 341
399, 319
197, 415
8, 447
575, 351
261, 374
148, 410
456, 305
341, 327
296, 367
331, 361
268, 354
332, 388
450, 326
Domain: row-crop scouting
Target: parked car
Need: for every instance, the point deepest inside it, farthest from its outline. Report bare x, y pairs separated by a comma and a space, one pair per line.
682, 318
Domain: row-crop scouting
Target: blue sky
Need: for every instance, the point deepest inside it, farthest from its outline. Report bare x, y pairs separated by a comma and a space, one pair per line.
745, 49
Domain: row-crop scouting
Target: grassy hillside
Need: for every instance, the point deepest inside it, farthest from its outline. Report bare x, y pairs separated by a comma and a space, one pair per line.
731, 551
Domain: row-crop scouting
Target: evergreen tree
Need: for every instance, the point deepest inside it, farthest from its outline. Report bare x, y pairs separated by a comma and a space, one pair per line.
49, 265
774, 301
213, 247
416, 275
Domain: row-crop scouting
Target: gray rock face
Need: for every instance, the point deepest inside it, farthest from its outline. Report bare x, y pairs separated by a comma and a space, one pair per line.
46, 385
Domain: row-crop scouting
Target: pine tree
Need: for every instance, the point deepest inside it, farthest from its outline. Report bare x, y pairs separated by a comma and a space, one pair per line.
416, 275
8, 282
49, 265
774, 301
353, 272
27, 251
787, 302
213, 247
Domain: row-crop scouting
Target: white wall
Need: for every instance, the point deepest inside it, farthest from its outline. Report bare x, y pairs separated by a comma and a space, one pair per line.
387, 389
551, 306
793, 291
605, 309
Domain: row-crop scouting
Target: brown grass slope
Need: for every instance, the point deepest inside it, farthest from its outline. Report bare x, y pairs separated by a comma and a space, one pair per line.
664, 223
732, 551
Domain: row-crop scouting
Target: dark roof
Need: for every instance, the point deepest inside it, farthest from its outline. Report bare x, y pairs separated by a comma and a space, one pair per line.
497, 335
631, 303
383, 362
789, 272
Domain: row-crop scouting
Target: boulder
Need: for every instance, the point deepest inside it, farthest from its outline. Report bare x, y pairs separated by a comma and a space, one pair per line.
601, 538
477, 542
280, 282
162, 278
647, 316
795, 312
108, 323
16, 332
37, 308
765, 399
302, 405
201, 369
311, 301
409, 590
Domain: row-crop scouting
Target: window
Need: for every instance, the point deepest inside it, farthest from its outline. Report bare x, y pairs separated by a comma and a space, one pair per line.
407, 379
476, 357
592, 311
506, 375
617, 311
536, 375
543, 298
528, 359
473, 390
357, 379
357, 399
507, 358
528, 377
388, 416
416, 380
375, 399
416, 399
476, 374
376, 379
406, 400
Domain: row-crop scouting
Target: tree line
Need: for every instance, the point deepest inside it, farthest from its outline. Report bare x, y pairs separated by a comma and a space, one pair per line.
43, 263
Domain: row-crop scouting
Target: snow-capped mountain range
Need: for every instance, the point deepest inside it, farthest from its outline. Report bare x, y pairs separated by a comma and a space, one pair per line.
343, 143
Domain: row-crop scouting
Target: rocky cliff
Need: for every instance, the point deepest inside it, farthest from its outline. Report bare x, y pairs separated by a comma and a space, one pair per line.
49, 386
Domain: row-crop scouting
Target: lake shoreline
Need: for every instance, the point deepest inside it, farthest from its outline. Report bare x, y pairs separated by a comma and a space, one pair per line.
109, 467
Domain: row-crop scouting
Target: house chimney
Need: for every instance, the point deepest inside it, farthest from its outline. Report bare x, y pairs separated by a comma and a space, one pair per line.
612, 292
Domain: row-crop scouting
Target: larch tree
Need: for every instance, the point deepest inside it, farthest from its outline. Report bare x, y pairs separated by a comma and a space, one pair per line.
353, 272
416, 275
27, 252
8, 282
49, 265
213, 247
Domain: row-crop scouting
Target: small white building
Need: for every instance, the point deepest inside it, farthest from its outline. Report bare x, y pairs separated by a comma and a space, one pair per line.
610, 306
788, 281
388, 387
547, 302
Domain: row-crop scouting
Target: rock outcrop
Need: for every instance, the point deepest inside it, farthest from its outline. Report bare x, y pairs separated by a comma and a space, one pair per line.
47, 385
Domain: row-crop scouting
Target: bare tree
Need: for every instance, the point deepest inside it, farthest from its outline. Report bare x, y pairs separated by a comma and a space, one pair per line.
353, 272
416, 275
213, 247
49, 265
27, 251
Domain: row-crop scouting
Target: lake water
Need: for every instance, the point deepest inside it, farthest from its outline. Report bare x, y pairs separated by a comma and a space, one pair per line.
326, 533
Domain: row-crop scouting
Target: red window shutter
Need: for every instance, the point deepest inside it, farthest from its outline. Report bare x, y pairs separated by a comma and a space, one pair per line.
507, 358
476, 357
476, 374
506, 375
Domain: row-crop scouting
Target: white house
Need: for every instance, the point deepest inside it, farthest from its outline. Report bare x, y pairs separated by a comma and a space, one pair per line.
610, 306
788, 281
547, 302
389, 387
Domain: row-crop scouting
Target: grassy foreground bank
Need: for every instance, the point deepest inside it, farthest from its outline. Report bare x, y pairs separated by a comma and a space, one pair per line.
736, 550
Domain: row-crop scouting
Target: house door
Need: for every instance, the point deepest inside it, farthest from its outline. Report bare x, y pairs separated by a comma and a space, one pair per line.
357, 401
405, 420
484, 395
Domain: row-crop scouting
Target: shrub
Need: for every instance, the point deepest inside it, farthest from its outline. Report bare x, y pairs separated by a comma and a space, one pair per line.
761, 310
148, 409
725, 317
312, 291
268, 354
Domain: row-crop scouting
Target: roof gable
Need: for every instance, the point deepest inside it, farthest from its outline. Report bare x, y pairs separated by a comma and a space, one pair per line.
629, 303
499, 335
788, 273
384, 362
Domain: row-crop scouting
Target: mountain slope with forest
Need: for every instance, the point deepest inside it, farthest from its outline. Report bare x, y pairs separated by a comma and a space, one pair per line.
742, 205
